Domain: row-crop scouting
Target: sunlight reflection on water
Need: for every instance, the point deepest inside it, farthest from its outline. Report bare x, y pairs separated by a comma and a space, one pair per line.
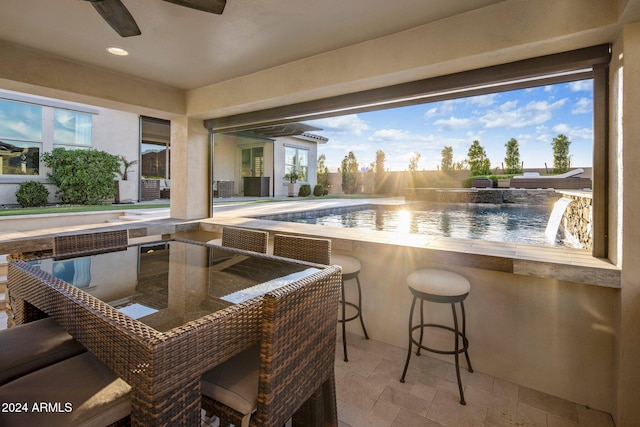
515, 224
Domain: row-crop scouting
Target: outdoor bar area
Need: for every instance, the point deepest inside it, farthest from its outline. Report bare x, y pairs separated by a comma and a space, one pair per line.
214, 313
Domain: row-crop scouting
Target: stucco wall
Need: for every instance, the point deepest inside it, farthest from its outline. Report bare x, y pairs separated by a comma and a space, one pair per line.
627, 67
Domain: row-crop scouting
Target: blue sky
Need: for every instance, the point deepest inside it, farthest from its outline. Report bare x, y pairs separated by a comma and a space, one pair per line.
533, 116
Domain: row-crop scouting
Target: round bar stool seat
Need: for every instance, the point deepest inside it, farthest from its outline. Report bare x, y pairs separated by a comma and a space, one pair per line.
439, 286
350, 270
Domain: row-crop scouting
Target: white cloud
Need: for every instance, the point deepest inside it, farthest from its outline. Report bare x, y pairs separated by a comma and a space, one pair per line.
583, 106
574, 133
581, 85
509, 115
453, 123
391, 135
483, 100
509, 105
431, 112
349, 124
440, 109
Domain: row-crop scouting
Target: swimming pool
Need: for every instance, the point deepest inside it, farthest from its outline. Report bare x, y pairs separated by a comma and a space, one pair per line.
502, 223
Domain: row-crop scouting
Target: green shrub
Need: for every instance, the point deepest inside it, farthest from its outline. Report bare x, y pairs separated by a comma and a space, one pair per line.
32, 194
305, 190
318, 190
84, 177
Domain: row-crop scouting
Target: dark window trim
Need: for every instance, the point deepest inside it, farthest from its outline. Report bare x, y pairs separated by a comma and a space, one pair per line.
556, 68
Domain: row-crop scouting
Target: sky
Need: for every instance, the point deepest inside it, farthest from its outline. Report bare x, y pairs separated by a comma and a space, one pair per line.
533, 116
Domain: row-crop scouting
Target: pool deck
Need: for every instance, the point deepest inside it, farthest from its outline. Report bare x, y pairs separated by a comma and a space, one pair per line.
561, 263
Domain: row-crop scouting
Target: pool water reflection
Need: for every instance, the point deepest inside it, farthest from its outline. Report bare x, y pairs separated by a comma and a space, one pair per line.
502, 223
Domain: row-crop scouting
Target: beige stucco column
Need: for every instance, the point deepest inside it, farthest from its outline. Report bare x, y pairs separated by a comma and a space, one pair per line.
190, 196
626, 409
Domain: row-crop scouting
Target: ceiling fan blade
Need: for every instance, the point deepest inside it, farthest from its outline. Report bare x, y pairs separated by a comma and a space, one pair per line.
117, 15
211, 6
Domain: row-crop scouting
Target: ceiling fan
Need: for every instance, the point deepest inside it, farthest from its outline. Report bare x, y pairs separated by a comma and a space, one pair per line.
117, 15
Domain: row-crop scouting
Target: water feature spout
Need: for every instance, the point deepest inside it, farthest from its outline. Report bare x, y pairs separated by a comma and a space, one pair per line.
555, 218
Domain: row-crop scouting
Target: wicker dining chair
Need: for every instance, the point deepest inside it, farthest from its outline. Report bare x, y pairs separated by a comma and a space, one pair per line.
32, 346
302, 248
245, 239
293, 366
90, 243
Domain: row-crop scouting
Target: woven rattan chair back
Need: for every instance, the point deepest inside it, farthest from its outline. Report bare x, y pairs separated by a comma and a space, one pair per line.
297, 355
302, 248
90, 243
245, 239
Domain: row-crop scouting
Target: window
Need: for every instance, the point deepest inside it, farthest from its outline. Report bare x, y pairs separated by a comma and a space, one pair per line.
30, 126
155, 159
296, 160
71, 128
20, 138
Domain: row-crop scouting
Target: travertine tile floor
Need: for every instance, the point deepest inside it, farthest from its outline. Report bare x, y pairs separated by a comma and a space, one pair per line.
370, 394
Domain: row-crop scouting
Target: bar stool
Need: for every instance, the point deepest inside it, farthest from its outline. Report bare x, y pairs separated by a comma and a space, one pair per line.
350, 270
439, 286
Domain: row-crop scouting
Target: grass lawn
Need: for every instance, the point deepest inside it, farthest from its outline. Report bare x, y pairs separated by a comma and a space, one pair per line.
69, 209
96, 208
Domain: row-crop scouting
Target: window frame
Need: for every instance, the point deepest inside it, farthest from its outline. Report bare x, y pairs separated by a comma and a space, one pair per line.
47, 142
297, 165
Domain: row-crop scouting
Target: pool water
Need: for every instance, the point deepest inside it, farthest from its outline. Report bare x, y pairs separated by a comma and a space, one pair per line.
501, 223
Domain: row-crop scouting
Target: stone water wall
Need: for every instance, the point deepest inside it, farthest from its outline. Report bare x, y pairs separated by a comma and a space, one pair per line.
577, 219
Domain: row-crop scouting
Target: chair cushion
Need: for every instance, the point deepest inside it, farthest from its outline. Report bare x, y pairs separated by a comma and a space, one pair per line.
235, 382
439, 282
80, 391
32, 346
217, 242
349, 264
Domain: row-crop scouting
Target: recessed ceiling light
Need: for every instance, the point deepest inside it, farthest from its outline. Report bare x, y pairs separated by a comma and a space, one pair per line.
117, 51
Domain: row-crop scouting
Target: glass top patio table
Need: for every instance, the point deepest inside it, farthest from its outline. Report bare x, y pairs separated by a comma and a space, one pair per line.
158, 314
166, 284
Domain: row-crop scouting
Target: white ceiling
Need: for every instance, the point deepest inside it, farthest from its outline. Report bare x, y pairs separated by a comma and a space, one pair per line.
188, 49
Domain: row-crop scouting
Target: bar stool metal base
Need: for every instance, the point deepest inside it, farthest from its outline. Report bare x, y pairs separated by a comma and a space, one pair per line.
458, 334
349, 275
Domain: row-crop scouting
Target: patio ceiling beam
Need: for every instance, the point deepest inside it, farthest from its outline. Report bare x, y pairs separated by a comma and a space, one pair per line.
549, 69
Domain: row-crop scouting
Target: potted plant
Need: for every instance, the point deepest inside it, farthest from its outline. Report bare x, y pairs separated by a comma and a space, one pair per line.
125, 189
293, 179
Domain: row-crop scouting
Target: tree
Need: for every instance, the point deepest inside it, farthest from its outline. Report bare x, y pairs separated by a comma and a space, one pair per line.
479, 163
413, 162
561, 153
512, 159
460, 166
446, 164
322, 173
350, 174
379, 172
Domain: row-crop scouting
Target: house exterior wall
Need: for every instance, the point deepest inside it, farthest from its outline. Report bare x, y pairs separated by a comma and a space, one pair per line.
113, 131
227, 161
